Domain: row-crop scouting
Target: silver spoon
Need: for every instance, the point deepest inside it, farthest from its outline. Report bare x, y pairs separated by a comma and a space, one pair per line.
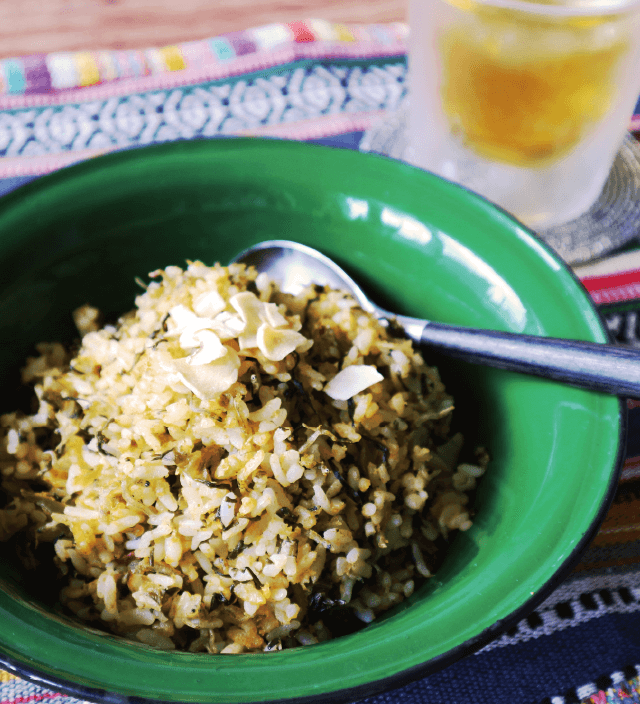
600, 367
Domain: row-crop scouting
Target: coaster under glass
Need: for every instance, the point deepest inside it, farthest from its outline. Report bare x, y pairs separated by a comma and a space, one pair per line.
612, 221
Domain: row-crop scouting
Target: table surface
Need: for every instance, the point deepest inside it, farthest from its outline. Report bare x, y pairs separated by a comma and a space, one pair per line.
42, 26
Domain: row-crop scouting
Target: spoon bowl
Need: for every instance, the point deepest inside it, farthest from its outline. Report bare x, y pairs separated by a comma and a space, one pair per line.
589, 365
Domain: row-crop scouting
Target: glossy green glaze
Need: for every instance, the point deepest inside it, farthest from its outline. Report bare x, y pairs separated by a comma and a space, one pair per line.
426, 248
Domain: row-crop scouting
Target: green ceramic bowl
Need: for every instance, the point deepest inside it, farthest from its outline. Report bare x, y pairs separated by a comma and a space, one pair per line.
427, 248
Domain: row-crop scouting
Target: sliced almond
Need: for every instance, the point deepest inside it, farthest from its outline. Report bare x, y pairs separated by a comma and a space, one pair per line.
275, 344
208, 380
209, 304
351, 381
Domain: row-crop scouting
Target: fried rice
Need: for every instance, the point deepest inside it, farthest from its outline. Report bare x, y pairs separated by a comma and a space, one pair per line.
233, 469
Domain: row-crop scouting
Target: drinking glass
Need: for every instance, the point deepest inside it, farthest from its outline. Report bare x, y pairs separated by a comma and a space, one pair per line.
526, 103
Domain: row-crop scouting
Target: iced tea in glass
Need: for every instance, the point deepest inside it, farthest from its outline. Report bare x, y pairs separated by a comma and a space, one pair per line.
526, 103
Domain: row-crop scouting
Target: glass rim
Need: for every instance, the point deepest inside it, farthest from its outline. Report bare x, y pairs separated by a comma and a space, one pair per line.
579, 8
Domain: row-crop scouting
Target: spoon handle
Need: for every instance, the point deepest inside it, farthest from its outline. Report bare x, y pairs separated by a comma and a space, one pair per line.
600, 367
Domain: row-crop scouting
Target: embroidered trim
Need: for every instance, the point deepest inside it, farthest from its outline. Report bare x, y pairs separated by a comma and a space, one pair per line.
620, 687
229, 54
300, 101
573, 603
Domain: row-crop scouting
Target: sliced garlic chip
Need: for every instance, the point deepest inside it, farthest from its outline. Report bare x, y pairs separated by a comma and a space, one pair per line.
209, 304
187, 325
210, 348
182, 317
277, 344
351, 381
227, 326
208, 380
249, 307
271, 315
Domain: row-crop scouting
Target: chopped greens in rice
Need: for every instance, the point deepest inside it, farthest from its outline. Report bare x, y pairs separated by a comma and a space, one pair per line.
233, 469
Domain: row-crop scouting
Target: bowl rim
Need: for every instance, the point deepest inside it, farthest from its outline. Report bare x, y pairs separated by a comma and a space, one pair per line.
437, 662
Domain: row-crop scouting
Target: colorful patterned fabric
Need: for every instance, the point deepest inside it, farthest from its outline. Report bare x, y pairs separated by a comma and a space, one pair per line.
304, 99
326, 82
276, 43
302, 80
